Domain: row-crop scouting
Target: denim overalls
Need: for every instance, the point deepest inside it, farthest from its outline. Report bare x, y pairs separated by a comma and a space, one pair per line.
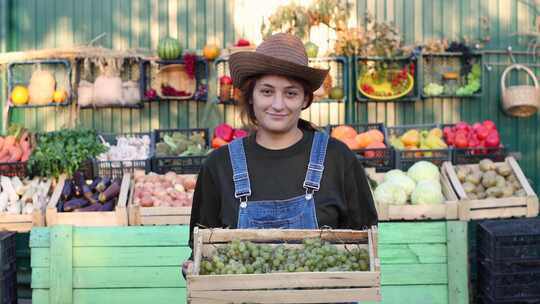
293, 213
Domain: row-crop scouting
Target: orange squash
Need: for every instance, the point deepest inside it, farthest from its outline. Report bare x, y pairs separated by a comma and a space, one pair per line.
343, 131
364, 139
377, 135
351, 143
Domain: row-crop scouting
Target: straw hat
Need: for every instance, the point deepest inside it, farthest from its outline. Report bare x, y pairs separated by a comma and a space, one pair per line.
281, 54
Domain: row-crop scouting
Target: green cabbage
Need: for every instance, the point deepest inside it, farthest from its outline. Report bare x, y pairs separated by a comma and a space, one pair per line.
394, 172
390, 193
423, 170
427, 192
403, 181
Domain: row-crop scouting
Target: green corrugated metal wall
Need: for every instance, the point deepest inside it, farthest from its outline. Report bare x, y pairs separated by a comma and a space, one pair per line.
36, 24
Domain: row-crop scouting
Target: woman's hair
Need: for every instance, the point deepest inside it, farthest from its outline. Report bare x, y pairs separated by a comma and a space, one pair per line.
247, 114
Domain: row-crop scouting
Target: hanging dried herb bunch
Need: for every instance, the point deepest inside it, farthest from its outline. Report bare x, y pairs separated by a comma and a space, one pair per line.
383, 39
350, 41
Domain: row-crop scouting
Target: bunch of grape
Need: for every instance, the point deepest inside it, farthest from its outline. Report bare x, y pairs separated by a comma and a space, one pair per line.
244, 257
189, 62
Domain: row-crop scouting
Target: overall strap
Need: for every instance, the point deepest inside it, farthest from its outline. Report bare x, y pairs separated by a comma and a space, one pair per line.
242, 188
316, 161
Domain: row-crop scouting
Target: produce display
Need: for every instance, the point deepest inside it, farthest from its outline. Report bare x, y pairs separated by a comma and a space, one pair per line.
478, 135
127, 148
245, 257
23, 196
414, 139
169, 48
489, 180
64, 151
371, 139
168, 190
42, 89
386, 83
17, 145
224, 134
418, 186
80, 195
180, 144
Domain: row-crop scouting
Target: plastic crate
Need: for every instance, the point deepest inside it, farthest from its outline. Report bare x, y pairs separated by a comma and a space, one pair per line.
404, 159
20, 72
178, 164
384, 157
434, 64
19, 169
510, 239
8, 248
504, 286
485, 299
114, 168
413, 95
149, 68
8, 291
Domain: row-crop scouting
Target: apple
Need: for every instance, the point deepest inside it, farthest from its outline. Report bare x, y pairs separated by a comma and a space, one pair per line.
482, 132
490, 125
336, 93
243, 42
225, 80
311, 49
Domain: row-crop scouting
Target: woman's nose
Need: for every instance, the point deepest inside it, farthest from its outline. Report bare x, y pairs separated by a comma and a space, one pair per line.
277, 102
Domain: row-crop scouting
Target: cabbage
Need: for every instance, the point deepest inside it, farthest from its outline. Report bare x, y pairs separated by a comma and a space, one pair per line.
388, 175
403, 181
423, 170
390, 193
427, 192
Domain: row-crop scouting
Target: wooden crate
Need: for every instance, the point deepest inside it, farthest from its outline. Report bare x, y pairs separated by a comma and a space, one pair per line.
448, 210
156, 215
121, 265
23, 222
300, 287
117, 217
474, 209
423, 262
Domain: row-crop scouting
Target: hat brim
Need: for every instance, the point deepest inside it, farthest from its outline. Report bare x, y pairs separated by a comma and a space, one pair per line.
246, 64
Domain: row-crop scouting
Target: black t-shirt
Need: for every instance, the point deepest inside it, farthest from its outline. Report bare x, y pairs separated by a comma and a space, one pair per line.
344, 200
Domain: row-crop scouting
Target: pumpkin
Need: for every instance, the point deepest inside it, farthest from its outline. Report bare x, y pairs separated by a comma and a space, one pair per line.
364, 139
169, 48
19, 95
351, 143
41, 88
377, 135
210, 52
343, 131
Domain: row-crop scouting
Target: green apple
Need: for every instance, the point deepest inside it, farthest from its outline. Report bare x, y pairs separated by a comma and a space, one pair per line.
336, 93
311, 49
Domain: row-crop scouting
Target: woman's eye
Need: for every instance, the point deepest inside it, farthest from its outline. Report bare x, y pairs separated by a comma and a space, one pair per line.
266, 92
292, 94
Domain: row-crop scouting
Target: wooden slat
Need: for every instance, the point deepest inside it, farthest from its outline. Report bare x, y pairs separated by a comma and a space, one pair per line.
413, 253
412, 233
286, 296
149, 211
428, 294
120, 295
494, 213
225, 235
60, 264
116, 277
165, 220
413, 274
283, 280
117, 256
458, 279
118, 236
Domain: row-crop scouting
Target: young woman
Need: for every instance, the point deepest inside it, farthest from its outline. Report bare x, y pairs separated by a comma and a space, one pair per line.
286, 174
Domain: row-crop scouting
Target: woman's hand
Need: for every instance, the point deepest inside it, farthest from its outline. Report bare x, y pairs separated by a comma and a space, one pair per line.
186, 267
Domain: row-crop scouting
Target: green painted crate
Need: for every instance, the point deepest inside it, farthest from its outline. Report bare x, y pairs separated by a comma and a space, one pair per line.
85, 265
424, 263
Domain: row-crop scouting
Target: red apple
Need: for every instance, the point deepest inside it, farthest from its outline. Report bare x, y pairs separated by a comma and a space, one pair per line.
476, 125
225, 80
461, 140
493, 140
490, 125
482, 132
243, 42
463, 126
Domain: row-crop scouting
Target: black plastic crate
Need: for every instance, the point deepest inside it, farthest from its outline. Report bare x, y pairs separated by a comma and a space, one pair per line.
20, 72
485, 299
14, 169
117, 168
512, 240
506, 286
404, 159
8, 291
178, 164
383, 159
8, 248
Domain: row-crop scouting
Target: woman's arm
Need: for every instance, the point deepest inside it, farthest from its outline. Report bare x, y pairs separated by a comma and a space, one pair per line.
361, 213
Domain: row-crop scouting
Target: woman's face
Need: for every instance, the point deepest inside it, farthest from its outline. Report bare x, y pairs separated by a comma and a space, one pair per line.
277, 103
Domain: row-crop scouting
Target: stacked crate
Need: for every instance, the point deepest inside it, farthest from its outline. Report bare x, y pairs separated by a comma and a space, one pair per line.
509, 261
8, 276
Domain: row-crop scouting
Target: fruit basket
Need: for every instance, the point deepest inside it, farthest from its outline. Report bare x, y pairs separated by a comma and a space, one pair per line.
268, 279
451, 74
171, 80
336, 83
49, 79
385, 79
362, 139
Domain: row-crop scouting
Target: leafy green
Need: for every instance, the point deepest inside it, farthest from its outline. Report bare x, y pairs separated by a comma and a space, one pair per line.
64, 151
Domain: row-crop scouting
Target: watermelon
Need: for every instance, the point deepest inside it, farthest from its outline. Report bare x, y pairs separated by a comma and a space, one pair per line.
169, 48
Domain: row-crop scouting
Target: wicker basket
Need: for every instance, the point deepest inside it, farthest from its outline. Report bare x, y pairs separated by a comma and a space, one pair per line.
175, 75
520, 100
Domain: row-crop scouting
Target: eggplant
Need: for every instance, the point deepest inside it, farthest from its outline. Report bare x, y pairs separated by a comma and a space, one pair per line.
103, 184
111, 192
94, 183
108, 206
91, 207
66, 191
60, 206
87, 193
78, 183
75, 203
